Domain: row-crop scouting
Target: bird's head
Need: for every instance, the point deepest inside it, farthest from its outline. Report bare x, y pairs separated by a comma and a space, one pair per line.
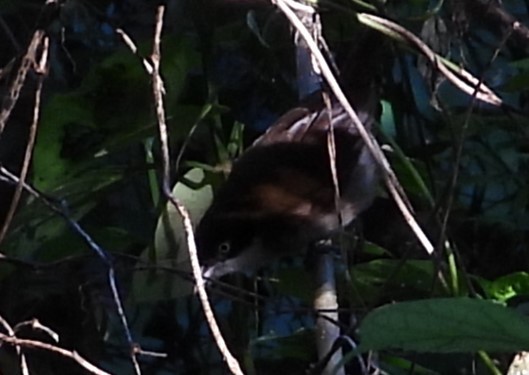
245, 242
227, 244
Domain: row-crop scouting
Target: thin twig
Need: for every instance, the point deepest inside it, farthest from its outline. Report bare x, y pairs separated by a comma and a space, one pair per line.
33, 344
11, 332
448, 69
388, 175
459, 149
36, 325
102, 254
27, 62
128, 41
157, 85
42, 70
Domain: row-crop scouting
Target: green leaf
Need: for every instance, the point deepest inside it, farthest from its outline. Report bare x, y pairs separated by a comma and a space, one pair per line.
112, 108
444, 326
385, 279
401, 366
507, 287
49, 168
170, 248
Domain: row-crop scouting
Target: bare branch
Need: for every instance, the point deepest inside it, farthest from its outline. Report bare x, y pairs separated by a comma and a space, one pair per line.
132, 46
36, 325
466, 82
32, 344
41, 68
13, 94
157, 85
11, 332
389, 177
101, 253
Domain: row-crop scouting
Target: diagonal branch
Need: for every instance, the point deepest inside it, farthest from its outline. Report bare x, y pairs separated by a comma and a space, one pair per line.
158, 89
388, 175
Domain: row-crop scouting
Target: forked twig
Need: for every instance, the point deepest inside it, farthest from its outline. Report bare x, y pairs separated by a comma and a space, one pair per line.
11, 332
33, 344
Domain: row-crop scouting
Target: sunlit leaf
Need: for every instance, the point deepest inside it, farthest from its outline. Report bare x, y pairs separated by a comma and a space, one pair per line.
506, 287
170, 244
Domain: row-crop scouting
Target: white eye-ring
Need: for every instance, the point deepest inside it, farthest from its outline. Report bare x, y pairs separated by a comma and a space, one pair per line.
224, 247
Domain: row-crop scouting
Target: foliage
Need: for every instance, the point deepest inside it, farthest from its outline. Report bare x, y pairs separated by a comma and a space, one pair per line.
228, 71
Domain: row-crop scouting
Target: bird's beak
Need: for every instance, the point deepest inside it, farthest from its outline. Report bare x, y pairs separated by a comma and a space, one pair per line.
217, 270
207, 272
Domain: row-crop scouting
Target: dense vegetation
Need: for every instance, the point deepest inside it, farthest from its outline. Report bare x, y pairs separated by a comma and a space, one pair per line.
91, 212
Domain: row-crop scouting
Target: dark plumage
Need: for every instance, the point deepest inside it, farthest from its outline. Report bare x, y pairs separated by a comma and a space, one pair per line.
280, 198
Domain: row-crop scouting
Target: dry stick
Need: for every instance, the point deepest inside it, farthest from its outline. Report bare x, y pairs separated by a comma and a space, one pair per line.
11, 98
473, 88
42, 70
101, 253
157, 85
372, 145
128, 41
38, 326
14, 91
11, 332
32, 344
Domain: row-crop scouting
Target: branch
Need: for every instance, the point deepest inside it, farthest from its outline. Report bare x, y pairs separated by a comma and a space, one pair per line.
27, 62
494, 13
33, 344
388, 175
101, 253
459, 77
42, 70
158, 89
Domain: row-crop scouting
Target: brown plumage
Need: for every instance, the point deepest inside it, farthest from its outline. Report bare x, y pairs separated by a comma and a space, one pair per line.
280, 198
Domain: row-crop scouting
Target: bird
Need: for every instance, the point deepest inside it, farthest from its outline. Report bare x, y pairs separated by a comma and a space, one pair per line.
280, 198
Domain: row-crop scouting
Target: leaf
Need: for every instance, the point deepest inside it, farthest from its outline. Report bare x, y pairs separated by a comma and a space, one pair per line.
445, 325
111, 108
394, 279
387, 120
507, 287
170, 248
401, 366
49, 168
169, 235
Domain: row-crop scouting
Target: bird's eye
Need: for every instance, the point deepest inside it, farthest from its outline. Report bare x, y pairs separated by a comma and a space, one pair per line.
224, 248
